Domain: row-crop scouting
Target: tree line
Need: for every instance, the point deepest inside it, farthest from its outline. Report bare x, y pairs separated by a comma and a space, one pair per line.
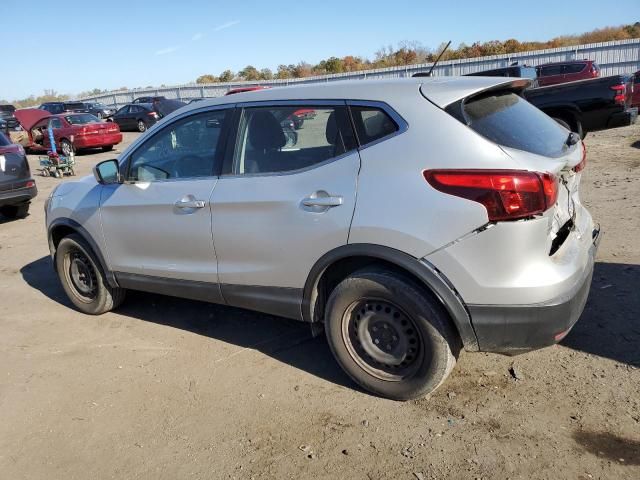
409, 53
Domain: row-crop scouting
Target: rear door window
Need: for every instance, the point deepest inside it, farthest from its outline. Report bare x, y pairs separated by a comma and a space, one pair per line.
551, 70
509, 120
282, 139
372, 124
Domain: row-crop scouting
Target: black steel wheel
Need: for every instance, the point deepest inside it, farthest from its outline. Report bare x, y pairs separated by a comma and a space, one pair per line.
83, 279
390, 334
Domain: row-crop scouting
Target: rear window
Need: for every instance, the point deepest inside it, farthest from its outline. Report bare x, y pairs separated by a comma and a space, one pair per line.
509, 120
82, 119
74, 106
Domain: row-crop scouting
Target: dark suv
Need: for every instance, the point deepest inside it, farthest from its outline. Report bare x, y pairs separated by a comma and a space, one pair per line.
17, 188
7, 121
563, 72
55, 108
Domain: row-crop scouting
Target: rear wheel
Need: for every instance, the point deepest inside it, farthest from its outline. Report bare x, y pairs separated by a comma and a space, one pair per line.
82, 278
15, 211
108, 148
66, 147
142, 126
390, 336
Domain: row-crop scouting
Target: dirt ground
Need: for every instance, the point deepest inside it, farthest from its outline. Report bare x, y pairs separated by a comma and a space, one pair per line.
170, 389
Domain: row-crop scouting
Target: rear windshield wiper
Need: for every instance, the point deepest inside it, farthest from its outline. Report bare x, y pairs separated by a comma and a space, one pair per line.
572, 139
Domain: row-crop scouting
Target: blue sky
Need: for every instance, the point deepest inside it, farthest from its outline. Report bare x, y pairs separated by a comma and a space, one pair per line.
137, 43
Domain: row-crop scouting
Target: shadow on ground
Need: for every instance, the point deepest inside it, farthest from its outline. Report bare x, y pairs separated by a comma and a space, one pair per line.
610, 446
288, 341
610, 324
609, 327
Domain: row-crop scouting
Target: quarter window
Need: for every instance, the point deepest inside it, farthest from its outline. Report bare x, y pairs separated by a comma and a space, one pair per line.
372, 124
574, 68
187, 148
287, 138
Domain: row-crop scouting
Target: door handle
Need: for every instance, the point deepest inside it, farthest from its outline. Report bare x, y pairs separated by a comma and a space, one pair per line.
190, 203
322, 201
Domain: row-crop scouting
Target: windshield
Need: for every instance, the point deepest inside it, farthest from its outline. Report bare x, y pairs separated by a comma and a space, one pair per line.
82, 119
511, 121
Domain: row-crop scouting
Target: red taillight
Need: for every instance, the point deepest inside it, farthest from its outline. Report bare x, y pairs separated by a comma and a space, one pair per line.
506, 194
153, 114
583, 163
30, 184
620, 93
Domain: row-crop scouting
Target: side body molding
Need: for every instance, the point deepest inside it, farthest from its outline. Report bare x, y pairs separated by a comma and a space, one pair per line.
426, 273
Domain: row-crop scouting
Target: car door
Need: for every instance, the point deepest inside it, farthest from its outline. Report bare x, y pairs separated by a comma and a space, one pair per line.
550, 75
285, 199
120, 117
157, 224
56, 125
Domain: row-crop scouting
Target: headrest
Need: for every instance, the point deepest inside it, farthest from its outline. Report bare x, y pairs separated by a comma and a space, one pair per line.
331, 131
265, 132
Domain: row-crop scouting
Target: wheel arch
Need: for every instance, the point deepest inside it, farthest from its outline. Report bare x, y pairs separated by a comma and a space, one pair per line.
62, 227
337, 264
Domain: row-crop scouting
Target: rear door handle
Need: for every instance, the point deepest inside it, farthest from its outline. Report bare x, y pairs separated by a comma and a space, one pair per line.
322, 201
190, 202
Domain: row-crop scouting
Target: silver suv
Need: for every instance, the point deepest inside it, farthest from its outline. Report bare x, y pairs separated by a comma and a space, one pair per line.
413, 218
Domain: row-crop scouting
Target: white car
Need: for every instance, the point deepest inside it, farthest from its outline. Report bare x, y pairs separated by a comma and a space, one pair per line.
413, 218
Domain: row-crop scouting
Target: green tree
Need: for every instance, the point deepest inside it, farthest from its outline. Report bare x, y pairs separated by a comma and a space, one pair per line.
249, 73
266, 74
226, 76
207, 78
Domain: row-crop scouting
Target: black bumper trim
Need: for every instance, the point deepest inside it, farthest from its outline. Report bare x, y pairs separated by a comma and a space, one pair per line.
18, 196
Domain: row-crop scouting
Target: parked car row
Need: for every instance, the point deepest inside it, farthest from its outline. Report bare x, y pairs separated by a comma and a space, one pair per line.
95, 108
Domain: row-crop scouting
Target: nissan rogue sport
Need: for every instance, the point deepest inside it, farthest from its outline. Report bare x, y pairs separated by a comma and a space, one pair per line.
412, 218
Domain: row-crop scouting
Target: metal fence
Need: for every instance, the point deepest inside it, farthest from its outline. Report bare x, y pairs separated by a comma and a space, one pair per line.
621, 56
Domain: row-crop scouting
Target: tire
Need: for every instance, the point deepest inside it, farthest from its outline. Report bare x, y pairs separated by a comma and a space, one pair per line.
107, 148
66, 147
573, 126
142, 127
373, 307
82, 277
15, 211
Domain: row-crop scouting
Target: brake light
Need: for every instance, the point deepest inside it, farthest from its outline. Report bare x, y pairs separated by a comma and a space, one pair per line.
506, 194
153, 114
583, 163
620, 93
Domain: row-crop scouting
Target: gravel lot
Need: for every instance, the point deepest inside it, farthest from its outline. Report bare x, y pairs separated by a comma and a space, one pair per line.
167, 388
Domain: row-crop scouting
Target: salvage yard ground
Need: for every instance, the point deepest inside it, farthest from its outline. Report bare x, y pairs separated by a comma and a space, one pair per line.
171, 389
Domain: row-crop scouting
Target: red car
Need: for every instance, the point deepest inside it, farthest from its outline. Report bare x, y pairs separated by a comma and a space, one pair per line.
71, 131
233, 91
563, 72
635, 95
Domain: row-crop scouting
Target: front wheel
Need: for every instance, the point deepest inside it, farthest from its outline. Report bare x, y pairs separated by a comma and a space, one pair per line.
142, 126
82, 278
390, 336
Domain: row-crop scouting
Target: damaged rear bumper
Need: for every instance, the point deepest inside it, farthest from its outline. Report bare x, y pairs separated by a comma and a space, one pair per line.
513, 329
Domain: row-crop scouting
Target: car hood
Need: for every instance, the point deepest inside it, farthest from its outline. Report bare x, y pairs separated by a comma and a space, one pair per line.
28, 117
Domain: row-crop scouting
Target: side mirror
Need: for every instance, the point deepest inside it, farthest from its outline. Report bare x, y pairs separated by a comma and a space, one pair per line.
107, 172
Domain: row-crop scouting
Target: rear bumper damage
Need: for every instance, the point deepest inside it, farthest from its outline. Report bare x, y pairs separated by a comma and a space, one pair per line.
513, 329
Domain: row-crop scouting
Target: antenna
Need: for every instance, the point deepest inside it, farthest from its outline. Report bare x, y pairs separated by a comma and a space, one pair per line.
428, 74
